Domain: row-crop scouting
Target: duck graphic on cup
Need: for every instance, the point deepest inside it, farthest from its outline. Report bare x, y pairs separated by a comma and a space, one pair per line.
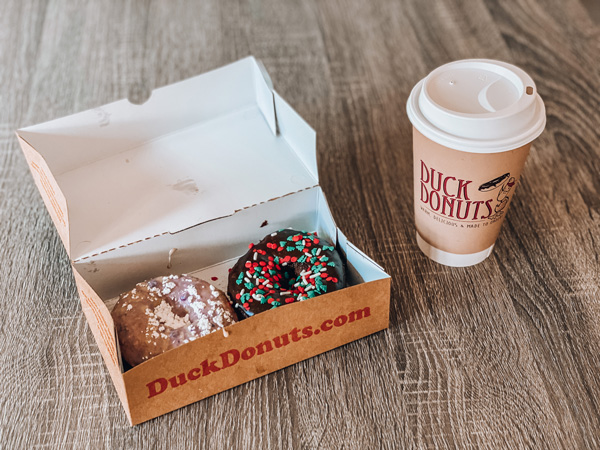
505, 183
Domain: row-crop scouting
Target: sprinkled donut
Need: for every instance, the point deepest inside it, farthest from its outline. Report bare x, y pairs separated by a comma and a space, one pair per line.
285, 267
166, 312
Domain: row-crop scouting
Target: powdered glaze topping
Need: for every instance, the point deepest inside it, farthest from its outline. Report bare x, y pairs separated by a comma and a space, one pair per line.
168, 311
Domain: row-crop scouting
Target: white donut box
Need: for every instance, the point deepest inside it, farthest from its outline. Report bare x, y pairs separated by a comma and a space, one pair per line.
205, 166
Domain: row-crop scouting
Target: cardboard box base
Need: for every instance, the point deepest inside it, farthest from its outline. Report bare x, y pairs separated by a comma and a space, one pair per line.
251, 348
255, 347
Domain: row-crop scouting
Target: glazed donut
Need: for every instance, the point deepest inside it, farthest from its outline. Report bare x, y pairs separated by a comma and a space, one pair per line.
285, 267
166, 312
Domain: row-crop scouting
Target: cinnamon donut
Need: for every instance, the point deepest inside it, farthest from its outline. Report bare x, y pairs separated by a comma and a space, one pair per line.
166, 312
285, 267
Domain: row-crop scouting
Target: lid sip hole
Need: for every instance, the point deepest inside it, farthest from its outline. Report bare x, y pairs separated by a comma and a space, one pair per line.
529, 90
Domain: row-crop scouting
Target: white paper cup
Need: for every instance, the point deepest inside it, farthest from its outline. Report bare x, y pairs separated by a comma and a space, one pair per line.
473, 124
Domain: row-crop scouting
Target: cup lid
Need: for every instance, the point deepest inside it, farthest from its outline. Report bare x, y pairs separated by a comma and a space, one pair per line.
477, 105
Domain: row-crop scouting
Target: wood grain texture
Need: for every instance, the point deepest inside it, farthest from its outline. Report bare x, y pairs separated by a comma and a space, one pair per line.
501, 355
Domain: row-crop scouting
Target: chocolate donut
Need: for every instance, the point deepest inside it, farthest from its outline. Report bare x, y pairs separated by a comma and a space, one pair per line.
285, 267
166, 312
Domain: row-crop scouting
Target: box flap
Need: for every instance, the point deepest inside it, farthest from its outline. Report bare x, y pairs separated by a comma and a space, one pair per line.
368, 269
197, 150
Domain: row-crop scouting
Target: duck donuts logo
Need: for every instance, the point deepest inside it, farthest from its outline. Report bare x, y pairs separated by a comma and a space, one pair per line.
234, 356
451, 197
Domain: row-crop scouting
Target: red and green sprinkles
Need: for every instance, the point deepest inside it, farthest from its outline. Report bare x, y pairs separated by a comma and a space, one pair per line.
266, 281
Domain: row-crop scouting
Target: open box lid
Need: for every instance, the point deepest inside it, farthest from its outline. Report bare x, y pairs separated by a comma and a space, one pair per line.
197, 150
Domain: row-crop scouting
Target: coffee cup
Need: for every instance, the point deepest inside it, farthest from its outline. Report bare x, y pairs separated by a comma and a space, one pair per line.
473, 124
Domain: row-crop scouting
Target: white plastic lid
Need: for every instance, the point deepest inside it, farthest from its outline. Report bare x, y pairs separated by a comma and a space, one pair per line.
477, 105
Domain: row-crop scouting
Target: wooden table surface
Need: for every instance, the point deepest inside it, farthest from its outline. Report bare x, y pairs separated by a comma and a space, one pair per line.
505, 354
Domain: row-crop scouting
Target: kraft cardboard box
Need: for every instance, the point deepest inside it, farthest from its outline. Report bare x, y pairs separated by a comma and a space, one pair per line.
182, 184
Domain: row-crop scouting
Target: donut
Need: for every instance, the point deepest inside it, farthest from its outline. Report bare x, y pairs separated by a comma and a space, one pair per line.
285, 267
166, 312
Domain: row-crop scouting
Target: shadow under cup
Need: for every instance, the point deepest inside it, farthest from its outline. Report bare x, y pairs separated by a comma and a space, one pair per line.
473, 125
